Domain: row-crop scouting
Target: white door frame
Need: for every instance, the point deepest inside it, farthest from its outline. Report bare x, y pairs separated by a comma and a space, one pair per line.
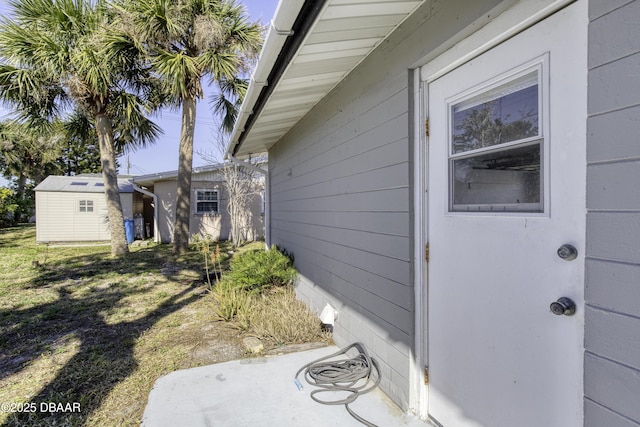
513, 21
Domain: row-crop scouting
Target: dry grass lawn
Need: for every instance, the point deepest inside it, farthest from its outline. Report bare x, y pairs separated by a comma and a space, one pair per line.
78, 327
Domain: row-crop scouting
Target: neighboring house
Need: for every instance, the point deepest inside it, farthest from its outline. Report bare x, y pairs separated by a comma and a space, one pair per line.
444, 172
209, 200
74, 208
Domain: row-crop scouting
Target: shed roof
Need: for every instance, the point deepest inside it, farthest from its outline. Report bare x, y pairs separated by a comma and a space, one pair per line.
150, 179
81, 184
310, 47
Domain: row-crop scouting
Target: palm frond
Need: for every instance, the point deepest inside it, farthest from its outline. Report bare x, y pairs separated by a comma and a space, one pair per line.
98, 79
244, 35
121, 50
180, 72
30, 91
235, 87
132, 129
31, 10
225, 108
157, 20
20, 45
220, 65
78, 126
29, 145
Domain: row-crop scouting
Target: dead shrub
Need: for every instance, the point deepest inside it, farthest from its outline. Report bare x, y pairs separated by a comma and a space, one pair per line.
257, 294
231, 301
279, 317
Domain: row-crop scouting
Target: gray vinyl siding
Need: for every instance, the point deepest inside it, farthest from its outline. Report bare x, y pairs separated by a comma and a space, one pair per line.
612, 329
341, 194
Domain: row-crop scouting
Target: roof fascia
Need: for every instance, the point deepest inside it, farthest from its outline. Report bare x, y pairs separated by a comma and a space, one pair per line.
276, 65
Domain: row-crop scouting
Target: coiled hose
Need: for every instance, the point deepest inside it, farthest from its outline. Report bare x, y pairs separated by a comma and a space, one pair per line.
352, 375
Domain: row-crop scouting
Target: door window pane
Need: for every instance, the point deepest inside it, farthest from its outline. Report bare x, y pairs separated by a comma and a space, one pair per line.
496, 150
500, 181
504, 114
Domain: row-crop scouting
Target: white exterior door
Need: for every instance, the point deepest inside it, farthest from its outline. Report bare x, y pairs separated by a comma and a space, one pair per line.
506, 169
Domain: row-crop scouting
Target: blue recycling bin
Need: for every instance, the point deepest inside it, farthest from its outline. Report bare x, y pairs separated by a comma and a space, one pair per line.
129, 230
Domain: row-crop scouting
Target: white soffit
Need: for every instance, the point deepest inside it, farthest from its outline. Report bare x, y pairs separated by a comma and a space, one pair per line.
345, 32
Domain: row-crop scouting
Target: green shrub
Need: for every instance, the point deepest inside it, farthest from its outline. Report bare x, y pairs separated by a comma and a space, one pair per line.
8, 206
259, 271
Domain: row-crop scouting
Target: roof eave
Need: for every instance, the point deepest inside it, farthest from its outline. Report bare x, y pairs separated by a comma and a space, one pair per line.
303, 67
150, 179
288, 29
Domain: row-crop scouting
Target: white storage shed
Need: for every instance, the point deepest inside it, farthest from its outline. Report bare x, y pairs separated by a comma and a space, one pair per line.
73, 208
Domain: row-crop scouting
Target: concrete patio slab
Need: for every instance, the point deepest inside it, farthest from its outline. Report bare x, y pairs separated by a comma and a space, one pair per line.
259, 392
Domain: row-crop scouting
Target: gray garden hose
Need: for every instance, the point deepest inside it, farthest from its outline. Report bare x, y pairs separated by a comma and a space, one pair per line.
342, 376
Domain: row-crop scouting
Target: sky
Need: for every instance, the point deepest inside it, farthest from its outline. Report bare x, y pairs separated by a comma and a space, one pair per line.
163, 155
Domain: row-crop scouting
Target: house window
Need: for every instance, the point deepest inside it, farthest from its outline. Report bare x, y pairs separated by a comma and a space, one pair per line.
86, 205
207, 201
496, 147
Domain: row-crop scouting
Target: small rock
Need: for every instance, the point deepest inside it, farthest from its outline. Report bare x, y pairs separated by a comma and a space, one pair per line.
253, 345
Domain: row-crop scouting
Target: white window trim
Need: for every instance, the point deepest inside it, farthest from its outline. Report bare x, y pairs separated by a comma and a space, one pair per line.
197, 200
541, 66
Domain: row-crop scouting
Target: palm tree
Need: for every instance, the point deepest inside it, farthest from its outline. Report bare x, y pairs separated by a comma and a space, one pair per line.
188, 40
29, 151
58, 54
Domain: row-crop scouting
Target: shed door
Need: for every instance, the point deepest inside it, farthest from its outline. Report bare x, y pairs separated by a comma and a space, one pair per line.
507, 169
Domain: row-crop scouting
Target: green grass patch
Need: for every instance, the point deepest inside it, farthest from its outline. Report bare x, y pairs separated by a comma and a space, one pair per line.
77, 325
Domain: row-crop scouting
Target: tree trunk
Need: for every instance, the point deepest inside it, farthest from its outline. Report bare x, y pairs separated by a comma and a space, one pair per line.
110, 177
185, 167
20, 189
21, 184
